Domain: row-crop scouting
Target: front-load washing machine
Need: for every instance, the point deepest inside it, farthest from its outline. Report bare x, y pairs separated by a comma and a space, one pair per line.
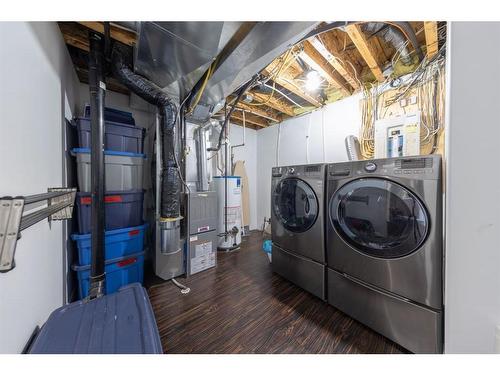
297, 226
384, 247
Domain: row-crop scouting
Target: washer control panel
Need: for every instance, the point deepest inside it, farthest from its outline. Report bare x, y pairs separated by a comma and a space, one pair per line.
310, 170
420, 167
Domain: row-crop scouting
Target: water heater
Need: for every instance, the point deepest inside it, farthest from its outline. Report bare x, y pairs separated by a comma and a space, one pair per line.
229, 211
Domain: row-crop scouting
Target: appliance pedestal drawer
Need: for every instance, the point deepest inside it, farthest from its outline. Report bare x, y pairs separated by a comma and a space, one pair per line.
415, 327
304, 272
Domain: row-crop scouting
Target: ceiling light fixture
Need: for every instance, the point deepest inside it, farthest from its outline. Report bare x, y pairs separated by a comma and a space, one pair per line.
313, 80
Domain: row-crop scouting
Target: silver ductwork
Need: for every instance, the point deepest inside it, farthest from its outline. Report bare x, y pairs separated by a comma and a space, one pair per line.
202, 162
353, 148
201, 154
170, 237
263, 43
175, 55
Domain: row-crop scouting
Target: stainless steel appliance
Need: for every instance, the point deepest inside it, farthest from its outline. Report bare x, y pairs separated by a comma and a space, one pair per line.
297, 194
384, 247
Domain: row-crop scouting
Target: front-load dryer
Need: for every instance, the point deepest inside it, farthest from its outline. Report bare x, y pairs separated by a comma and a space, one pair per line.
297, 225
384, 247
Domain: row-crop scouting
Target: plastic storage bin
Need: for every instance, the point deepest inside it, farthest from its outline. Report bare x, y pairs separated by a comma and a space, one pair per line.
123, 209
117, 243
113, 115
119, 272
117, 136
123, 170
118, 323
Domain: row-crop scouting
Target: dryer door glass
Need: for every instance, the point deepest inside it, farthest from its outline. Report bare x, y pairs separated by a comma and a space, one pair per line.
295, 204
379, 217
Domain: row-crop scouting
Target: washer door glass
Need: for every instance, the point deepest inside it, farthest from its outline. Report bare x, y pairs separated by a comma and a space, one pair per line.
295, 204
379, 218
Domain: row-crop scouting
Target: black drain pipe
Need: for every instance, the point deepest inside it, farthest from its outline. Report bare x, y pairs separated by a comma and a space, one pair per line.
97, 96
225, 171
147, 90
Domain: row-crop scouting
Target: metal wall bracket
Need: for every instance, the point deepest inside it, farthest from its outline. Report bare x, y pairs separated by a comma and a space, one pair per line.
67, 212
60, 203
11, 211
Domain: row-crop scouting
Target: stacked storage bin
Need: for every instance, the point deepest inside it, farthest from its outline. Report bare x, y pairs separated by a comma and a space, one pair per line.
124, 231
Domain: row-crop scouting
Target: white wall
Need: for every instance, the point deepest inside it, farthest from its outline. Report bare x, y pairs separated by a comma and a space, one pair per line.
39, 89
266, 158
316, 137
472, 301
248, 154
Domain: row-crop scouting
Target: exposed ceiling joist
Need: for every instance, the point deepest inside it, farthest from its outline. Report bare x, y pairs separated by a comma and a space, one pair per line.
286, 79
346, 60
288, 82
338, 61
274, 103
74, 36
236, 121
111, 83
261, 111
118, 33
249, 118
314, 59
296, 66
365, 49
431, 38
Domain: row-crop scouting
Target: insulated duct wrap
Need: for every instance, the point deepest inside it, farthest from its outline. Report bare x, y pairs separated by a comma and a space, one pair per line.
396, 33
392, 36
147, 90
170, 194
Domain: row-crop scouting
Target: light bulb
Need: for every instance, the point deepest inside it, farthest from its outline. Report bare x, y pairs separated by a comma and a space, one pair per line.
313, 80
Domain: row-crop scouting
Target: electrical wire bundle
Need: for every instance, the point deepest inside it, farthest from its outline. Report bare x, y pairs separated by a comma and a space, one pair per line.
427, 83
368, 115
283, 65
430, 95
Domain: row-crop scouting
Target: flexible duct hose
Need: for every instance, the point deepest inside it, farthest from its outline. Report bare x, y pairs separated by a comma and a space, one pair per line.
407, 30
147, 90
392, 35
403, 27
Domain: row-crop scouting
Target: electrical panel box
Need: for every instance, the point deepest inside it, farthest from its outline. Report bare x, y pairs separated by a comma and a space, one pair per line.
398, 136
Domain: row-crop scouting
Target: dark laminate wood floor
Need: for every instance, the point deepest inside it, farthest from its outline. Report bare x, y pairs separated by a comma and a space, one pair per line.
242, 307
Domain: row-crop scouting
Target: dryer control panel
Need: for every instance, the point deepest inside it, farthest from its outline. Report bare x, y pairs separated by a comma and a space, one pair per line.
312, 170
416, 167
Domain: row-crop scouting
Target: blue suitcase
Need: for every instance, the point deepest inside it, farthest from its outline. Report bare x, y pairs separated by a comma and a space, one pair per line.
118, 323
